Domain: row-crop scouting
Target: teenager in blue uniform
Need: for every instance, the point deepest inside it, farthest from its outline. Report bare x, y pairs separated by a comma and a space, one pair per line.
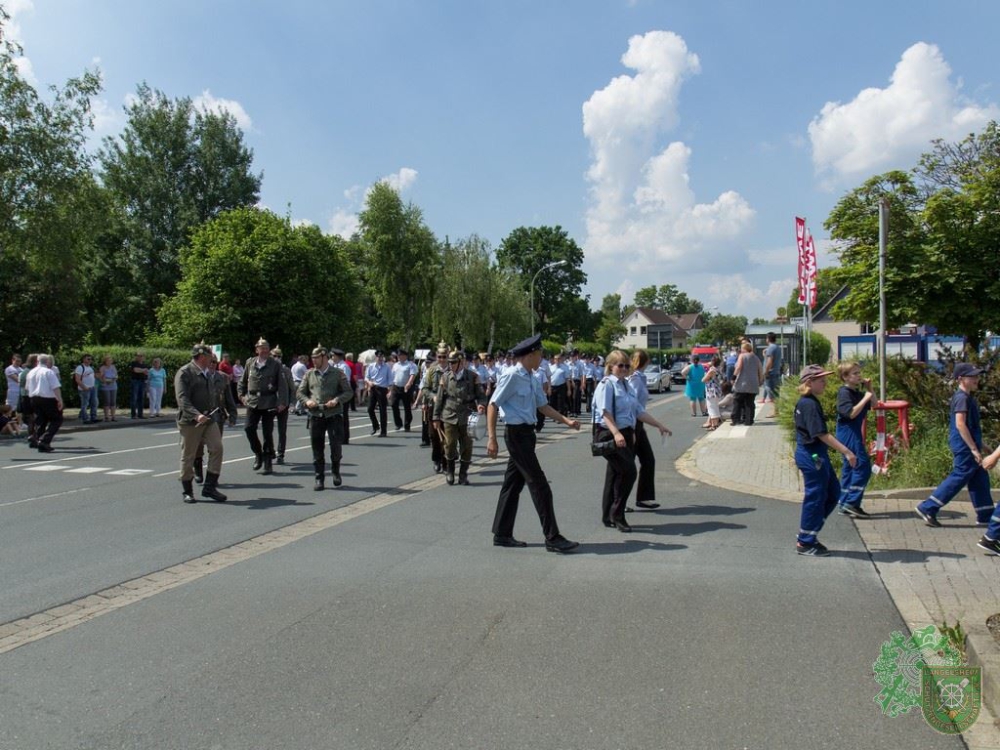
965, 438
616, 413
854, 400
645, 491
822, 490
518, 397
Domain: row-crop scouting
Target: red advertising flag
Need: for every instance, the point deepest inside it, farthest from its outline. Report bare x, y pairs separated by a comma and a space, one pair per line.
800, 239
811, 270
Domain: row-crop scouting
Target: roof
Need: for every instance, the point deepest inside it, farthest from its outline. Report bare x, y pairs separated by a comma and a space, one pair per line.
687, 321
656, 317
823, 313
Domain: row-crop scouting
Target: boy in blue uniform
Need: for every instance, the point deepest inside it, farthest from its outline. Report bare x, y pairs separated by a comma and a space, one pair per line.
822, 490
853, 405
965, 438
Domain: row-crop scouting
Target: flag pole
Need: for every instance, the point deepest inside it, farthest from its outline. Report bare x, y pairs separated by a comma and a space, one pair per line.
883, 233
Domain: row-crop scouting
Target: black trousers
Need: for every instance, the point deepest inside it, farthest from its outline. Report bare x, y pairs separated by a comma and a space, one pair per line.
346, 427
591, 385
48, 419
744, 408
523, 469
577, 398
437, 445
265, 418
559, 399
646, 488
619, 475
321, 431
379, 398
405, 398
282, 420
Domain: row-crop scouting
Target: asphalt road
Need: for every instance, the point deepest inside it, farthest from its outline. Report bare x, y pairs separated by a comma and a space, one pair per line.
405, 628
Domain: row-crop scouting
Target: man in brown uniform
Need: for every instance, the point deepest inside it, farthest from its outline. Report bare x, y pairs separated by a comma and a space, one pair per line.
459, 394
199, 420
262, 390
324, 391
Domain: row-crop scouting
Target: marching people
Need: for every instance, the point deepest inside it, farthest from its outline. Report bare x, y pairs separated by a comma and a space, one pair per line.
559, 385
262, 390
404, 376
616, 411
965, 438
812, 440
378, 378
281, 417
227, 403
854, 400
338, 361
26, 410
517, 397
200, 395
645, 492
42, 386
324, 392
299, 370
428, 393
459, 394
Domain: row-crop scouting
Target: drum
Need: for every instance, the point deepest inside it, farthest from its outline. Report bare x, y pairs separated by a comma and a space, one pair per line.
477, 426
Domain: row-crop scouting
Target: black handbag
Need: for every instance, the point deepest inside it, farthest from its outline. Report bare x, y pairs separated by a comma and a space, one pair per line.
602, 447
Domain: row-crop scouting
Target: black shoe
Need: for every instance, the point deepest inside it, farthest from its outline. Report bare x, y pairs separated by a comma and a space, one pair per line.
811, 550
622, 526
630, 510
928, 518
560, 544
280, 460
608, 524
507, 541
406, 429
258, 462
438, 468
199, 476
382, 434
319, 484
267, 466
337, 481
854, 511
43, 448
188, 492
190, 498
648, 504
990, 545
375, 431
211, 492
32, 443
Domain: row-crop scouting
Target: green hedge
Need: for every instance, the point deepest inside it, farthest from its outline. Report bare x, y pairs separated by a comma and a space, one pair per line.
68, 359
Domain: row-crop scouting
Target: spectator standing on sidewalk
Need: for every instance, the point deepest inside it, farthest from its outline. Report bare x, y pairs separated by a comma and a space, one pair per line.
853, 405
749, 373
772, 372
108, 375
86, 387
157, 384
139, 371
822, 490
13, 375
695, 388
965, 438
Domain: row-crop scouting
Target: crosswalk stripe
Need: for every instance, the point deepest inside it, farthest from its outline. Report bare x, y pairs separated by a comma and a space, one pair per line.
88, 470
47, 467
129, 472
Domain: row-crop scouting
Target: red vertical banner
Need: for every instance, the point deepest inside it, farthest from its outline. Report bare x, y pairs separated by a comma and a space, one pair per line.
800, 239
811, 270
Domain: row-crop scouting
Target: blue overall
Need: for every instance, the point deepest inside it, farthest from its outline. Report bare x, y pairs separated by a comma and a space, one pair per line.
965, 471
822, 491
852, 481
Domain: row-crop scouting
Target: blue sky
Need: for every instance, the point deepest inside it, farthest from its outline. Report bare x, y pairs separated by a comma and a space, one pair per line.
674, 141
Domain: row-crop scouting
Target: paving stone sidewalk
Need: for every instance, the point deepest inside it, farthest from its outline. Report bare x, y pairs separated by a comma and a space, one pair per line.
933, 575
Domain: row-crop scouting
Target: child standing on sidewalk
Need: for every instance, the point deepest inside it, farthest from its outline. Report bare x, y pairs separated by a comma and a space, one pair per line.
822, 491
852, 409
965, 438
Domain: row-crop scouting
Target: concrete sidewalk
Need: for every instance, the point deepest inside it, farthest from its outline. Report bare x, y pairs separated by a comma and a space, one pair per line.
934, 576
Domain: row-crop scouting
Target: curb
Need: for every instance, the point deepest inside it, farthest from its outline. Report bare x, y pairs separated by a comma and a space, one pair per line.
983, 652
74, 425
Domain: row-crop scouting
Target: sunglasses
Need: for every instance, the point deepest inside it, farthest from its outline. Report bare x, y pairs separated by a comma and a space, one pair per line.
627, 367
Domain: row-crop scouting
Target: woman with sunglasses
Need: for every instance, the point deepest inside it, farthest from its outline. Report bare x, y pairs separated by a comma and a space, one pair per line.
616, 411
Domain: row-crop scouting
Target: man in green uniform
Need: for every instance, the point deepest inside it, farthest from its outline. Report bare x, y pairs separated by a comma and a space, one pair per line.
428, 392
281, 418
324, 391
459, 394
199, 420
262, 390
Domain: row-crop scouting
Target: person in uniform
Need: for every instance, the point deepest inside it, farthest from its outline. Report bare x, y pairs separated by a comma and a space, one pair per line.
378, 378
428, 392
338, 361
324, 392
559, 385
518, 396
199, 396
460, 392
229, 412
404, 377
262, 390
281, 418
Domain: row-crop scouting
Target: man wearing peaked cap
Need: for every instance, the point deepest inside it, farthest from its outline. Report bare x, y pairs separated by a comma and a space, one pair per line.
518, 397
378, 378
404, 379
337, 360
199, 420
324, 392
263, 392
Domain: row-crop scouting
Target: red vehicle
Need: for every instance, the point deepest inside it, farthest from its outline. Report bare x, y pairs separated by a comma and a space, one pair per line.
705, 352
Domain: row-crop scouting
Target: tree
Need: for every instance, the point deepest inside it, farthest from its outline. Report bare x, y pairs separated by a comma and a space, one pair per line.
47, 195
527, 250
611, 328
724, 329
828, 283
575, 316
402, 260
249, 273
171, 169
669, 299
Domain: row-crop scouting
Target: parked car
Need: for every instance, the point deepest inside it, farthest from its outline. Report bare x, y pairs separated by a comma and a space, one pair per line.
657, 380
675, 373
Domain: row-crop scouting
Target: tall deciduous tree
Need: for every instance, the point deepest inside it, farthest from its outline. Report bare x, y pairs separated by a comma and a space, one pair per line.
401, 259
669, 298
171, 169
724, 329
611, 328
249, 273
46, 199
527, 250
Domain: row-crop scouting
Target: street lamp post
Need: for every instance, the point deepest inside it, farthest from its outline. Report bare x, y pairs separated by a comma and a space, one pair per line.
554, 264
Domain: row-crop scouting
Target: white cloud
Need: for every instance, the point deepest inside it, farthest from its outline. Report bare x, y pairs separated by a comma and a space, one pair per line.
401, 180
208, 103
107, 119
643, 209
737, 295
882, 128
17, 9
343, 223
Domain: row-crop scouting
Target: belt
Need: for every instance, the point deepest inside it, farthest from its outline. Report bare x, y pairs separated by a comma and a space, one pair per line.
520, 426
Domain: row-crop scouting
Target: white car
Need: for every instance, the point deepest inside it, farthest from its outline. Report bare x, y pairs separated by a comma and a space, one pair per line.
657, 380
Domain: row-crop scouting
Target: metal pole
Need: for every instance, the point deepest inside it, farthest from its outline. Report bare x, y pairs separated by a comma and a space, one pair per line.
883, 236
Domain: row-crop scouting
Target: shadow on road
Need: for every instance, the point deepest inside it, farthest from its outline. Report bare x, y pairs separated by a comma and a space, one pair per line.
700, 510
624, 547
687, 529
264, 503
896, 555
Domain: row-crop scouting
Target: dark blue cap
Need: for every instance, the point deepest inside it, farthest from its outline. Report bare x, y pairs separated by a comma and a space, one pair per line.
527, 346
965, 370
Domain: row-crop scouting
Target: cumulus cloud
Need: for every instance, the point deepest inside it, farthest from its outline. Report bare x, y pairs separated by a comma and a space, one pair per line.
208, 103
16, 10
401, 180
883, 128
738, 294
344, 221
642, 207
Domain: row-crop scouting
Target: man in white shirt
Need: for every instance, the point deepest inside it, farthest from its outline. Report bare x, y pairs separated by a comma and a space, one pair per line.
43, 387
86, 386
13, 375
404, 375
299, 370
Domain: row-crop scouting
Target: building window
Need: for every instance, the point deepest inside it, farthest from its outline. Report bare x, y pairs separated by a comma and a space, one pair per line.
642, 330
631, 331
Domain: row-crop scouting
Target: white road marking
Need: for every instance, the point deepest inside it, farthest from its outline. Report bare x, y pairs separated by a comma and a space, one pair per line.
89, 470
130, 472
47, 467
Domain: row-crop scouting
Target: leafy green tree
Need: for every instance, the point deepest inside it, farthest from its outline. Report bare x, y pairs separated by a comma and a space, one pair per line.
828, 283
724, 329
249, 273
575, 316
527, 250
402, 260
668, 298
611, 328
47, 195
171, 169
819, 349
